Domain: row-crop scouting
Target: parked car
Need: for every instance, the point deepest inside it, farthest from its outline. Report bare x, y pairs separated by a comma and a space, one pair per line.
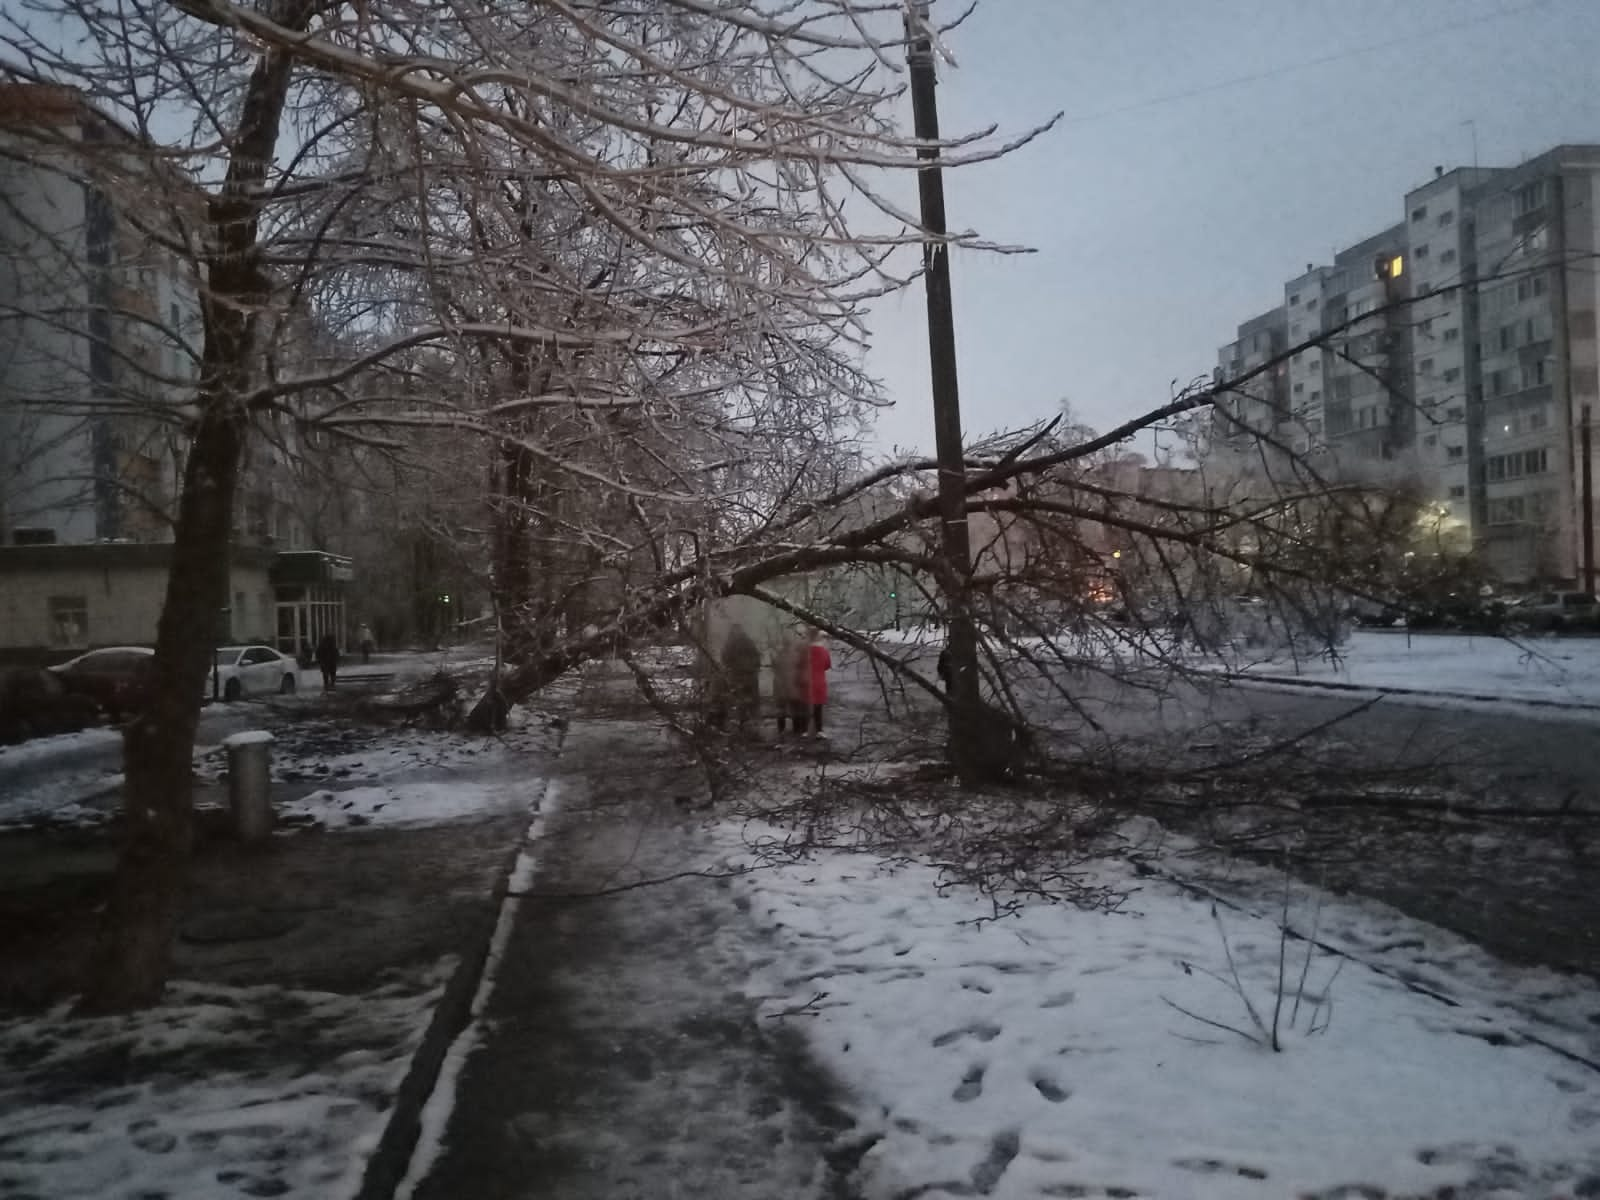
116, 678
34, 703
1556, 610
252, 671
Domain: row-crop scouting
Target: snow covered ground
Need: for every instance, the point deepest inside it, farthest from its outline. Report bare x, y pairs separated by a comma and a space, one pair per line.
1046, 1054
1562, 670
220, 1091
1546, 670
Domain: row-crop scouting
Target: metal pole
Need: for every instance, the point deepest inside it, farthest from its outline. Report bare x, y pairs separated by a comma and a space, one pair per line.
966, 742
1585, 445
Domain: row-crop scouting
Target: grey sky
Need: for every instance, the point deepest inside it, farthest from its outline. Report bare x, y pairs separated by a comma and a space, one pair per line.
1162, 222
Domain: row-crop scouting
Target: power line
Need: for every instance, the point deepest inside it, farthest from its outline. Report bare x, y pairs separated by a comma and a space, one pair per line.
1288, 68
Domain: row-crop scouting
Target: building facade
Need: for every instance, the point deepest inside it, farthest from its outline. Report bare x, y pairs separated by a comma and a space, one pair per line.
1456, 351
101, 333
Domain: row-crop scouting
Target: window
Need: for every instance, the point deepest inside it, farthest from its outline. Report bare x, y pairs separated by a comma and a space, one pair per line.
1421, 251
1426, 326
1316, 396
1316, 364
1452, 334
1455, 453
1311, 303
1517, 466
1507, 510
175, 314
1458, 492
1294, 299
1452, 374
1539, 418
1456, 414
257, 656
69, 621
1508, 337
1531, 197
1426, 366
1447, 217
1447, 257
1528, 288
1419, 213
1431, 440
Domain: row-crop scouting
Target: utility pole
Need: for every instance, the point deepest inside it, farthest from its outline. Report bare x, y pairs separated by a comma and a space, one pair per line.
1585, 443
966, 716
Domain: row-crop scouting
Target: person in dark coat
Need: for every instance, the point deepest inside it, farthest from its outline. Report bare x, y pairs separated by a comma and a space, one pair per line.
328, 661
741, 664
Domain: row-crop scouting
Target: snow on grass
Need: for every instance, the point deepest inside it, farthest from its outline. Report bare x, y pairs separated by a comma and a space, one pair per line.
1552, 669
1039, 1055
61, 799
218, 1092
60, 746
398, 805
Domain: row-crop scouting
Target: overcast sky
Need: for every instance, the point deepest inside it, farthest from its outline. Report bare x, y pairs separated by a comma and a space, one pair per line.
1209, 150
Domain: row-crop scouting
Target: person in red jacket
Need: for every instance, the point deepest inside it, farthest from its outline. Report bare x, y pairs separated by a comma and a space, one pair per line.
819, 662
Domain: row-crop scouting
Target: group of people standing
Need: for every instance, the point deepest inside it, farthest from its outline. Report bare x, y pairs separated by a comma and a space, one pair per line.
800, 669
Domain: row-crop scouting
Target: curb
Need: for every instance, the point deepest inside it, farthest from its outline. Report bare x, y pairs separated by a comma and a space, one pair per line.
391, 1159
1372, 690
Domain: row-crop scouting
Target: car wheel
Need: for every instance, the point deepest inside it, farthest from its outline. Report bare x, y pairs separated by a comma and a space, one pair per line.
231, 691
286, 688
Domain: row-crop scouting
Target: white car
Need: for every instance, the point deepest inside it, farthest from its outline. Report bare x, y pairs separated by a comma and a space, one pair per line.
251, 671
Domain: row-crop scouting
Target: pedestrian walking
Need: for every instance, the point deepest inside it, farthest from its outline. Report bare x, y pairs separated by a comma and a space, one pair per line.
328, 661
818, 663
364, 640
741, 664
790, 672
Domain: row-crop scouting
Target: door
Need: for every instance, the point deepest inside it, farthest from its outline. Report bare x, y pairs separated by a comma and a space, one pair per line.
259, 670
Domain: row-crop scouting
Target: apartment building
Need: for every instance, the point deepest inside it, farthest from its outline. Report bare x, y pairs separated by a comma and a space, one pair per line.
100, 332
1259, 404
100, 339
1459, 354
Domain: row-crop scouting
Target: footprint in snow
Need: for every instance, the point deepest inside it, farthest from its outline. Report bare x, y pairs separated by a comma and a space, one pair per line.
983, 1031
1049, 1088
971, 1085
976, 985
1059, 1000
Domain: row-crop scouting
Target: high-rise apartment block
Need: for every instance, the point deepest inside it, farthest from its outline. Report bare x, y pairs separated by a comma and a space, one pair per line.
1454, 351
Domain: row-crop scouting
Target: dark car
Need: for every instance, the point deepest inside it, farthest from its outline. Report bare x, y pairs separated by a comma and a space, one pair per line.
117, 678
34, 703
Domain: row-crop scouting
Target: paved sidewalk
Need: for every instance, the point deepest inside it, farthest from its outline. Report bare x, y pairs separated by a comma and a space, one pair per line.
619, 1056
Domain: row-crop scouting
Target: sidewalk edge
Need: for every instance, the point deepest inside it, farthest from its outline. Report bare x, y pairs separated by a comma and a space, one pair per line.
391, 1158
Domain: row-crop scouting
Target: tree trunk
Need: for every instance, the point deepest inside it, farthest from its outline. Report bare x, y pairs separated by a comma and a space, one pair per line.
513, 574
147, 895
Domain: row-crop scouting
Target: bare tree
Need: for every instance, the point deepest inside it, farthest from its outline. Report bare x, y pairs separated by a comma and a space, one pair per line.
315, 165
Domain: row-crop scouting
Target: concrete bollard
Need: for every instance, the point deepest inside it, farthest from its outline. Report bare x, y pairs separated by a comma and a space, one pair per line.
249, 786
